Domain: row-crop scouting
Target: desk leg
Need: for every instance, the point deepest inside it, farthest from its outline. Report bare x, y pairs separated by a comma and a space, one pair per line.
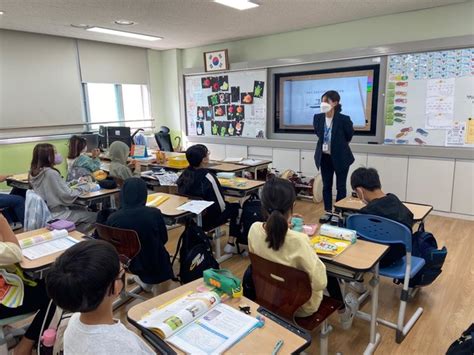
374, 336
112, 201
199, 220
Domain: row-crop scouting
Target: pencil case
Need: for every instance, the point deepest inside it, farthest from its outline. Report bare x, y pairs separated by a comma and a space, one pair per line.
57, 224
223, 280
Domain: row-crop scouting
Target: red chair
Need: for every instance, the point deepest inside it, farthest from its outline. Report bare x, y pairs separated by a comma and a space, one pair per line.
275, 286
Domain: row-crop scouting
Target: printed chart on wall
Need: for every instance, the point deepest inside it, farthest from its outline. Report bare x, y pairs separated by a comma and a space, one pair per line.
231, 104
430, 99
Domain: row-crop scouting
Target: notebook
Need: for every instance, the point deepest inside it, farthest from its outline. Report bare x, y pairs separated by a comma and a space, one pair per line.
46, 243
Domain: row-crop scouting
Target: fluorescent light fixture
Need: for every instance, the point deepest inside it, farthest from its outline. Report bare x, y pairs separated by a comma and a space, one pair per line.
108, 31
2, 12
124, 22
238, 4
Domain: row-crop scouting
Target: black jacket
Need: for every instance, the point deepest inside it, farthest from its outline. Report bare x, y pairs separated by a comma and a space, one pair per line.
152, 264
203, 184
341, 135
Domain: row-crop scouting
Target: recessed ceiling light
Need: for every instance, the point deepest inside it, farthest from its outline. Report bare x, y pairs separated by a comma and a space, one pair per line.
2, 12
124, 22
238, 4
123, 34
80, 25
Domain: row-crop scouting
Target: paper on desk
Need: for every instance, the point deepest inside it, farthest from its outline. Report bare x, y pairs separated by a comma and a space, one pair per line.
195, 207
251, 162
48, 248
232, 160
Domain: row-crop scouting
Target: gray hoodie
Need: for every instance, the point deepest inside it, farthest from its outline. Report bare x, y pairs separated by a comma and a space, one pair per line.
51, 187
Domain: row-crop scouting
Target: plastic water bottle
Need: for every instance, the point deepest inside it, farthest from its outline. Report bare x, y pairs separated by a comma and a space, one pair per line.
47, 341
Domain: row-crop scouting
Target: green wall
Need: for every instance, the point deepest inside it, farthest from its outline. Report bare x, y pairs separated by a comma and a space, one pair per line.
16, 158
165, 73
438, 22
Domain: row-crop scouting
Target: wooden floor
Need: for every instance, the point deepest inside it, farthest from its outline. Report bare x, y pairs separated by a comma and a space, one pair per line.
448, 303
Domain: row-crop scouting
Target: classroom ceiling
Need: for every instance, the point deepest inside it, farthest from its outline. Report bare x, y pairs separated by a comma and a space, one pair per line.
191, 23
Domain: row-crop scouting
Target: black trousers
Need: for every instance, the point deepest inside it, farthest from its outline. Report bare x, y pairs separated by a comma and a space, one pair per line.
35, 300
230, 214
327, 175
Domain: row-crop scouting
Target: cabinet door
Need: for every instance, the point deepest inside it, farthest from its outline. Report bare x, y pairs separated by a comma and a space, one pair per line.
463, 191
307, 164
217, 151
360, 160
284, 159
430, 181
393, 171
235, 151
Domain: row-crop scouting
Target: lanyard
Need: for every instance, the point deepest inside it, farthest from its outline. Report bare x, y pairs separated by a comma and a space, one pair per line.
327, 131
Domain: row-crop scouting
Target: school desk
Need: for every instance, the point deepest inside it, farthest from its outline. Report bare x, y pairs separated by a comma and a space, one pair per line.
37, 267
87, 198
169, 208
252, 165
20, 181
226, 167
420, 211
240, 187
357, 259
261, 340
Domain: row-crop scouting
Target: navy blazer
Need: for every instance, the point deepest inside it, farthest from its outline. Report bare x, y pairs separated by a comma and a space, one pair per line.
341, 135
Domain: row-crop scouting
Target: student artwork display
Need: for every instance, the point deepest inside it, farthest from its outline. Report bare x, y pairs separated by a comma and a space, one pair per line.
430, 98
227, 105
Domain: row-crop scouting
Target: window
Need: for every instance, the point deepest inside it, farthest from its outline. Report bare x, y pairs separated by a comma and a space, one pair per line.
118, 104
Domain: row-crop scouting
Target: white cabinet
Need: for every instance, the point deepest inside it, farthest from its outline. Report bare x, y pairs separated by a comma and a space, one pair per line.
360, 161
284, 159
260, 152
235, 151
430, 181
217, 151
307, 164
393, 171
463, 191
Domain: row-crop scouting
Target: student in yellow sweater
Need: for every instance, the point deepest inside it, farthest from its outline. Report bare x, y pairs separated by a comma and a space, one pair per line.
275, 241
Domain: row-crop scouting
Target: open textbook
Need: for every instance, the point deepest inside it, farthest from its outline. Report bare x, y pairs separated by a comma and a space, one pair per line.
46, 243
198, 323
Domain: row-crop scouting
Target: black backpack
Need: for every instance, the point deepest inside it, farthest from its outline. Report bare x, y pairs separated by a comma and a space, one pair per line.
425, 246
464, 345
251, 213
195, 253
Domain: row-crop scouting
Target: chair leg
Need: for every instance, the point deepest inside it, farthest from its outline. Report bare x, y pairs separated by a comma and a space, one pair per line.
323, 337
3, 343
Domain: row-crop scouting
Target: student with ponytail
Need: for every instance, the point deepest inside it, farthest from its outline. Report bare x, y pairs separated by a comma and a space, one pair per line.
198, 181
333, 154
275, 241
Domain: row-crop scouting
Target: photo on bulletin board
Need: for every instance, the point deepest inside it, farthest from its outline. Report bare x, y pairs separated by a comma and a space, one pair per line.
231, 105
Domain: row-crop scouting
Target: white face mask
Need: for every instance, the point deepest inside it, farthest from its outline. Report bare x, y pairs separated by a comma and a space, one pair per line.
325, 107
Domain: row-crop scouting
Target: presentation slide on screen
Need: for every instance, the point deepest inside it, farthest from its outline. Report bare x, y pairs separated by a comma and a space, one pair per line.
302, 97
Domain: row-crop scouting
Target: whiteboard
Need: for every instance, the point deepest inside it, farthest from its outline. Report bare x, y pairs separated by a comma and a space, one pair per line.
430, 98
230, 104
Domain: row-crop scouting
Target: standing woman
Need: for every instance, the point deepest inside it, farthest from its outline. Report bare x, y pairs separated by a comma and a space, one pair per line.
333, 154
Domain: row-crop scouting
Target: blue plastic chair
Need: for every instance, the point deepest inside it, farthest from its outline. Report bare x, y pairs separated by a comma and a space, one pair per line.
385, 231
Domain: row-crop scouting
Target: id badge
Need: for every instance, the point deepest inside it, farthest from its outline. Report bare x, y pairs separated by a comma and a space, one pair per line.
325, 147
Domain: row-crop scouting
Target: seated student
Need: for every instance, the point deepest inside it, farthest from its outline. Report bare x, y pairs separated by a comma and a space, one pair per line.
78, 162
366, 183
118, 154
50, 186
274, 241
35, 298
14, 202
197, 181
87, 278
152, 264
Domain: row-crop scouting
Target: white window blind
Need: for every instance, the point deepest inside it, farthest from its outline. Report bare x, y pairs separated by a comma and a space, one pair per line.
112, 63
40, 87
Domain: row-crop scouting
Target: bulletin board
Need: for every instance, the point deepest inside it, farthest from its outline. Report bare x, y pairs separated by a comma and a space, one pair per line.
230, 104
430, 98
